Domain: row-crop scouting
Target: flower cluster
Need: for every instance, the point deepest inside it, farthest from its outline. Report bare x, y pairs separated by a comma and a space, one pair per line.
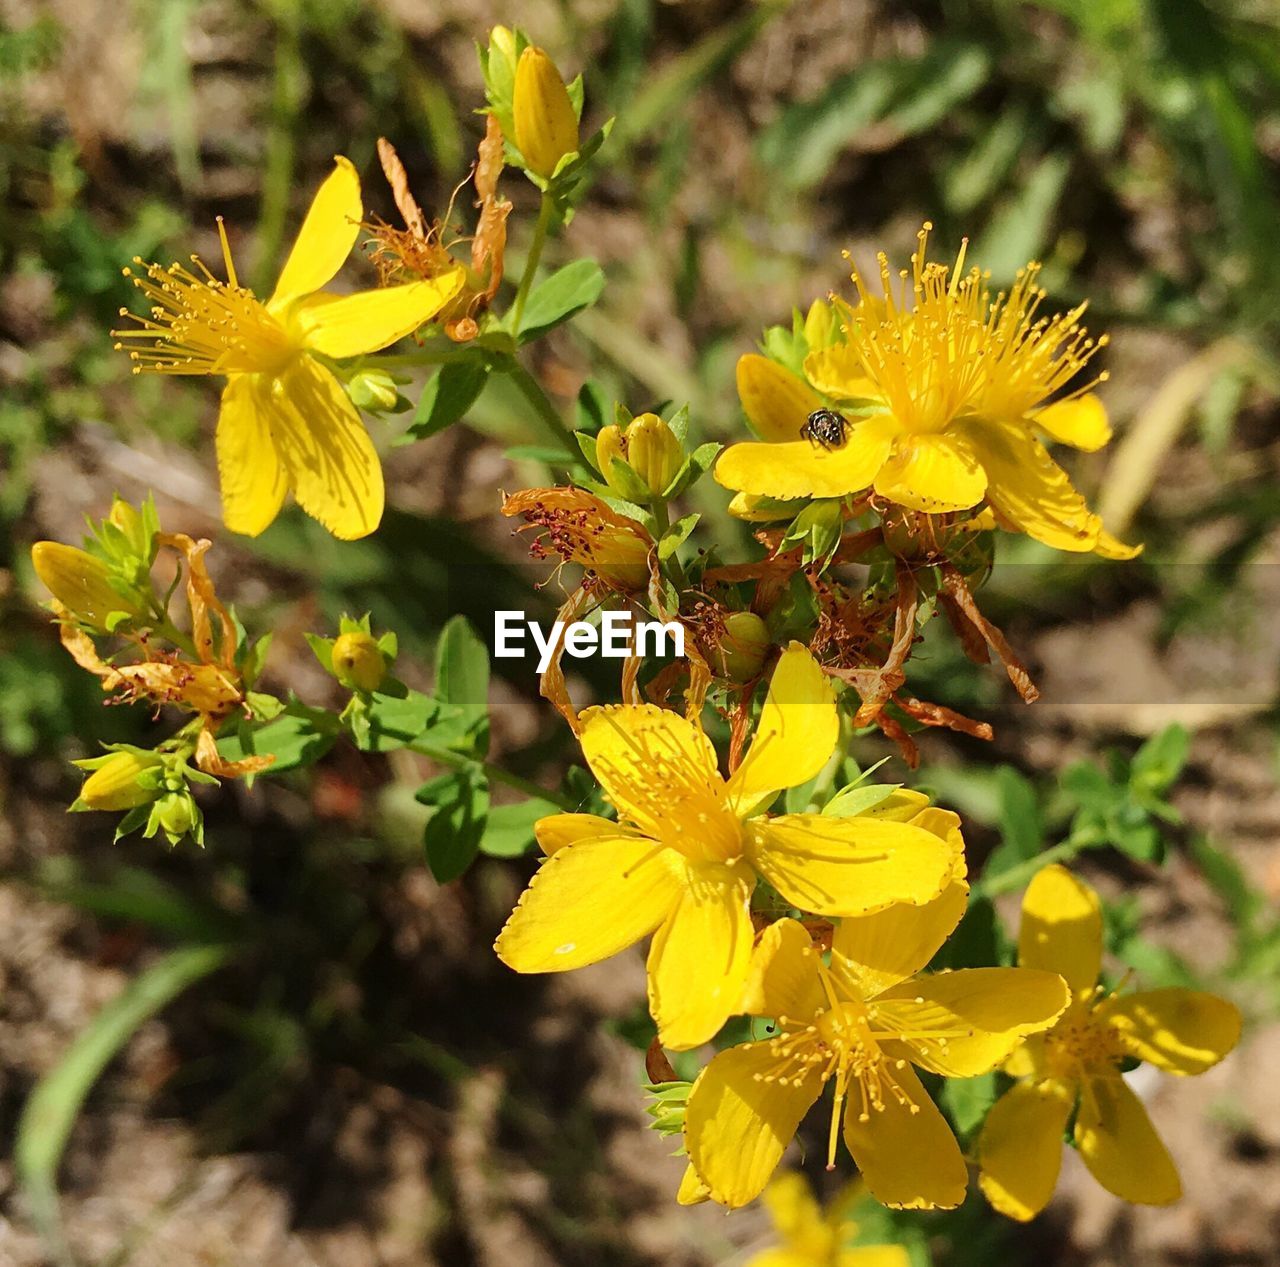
784, 894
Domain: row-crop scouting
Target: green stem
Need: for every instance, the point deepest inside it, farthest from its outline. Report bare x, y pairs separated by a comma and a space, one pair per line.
540, 231
1016, 877
456, 761
531, 390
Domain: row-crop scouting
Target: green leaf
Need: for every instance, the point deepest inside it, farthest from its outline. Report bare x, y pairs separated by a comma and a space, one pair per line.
562, 295
1019, 231
1157, 764
1021, 827
52, 1108
392, 721
858, 798
453, 833
462, 680
298, 736
449, 395
510, 829
677, 535
966, 1101
694, 467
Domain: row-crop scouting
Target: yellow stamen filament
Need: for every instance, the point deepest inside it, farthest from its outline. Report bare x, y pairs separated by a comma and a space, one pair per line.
199, 324
940, 349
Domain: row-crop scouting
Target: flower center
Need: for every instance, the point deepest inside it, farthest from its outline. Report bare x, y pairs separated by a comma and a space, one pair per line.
201, 325
1080, 1044
940, 349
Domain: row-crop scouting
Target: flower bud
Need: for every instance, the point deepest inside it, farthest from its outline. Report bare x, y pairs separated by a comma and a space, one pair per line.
373, 390
546, 125
176, 814
357, 662
654, 452
743, 647
609, 445
114, 784
81, 583
502, 43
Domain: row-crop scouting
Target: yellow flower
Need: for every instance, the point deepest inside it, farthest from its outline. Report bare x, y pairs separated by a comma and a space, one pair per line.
814, 1239
861, 1023
1079, 1060
285, 421
545, 120
944, 391
582, 529
689, 849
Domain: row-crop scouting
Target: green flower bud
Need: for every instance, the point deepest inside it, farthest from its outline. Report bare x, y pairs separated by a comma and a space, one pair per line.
742, 650
176, 814
358, 663
374, 390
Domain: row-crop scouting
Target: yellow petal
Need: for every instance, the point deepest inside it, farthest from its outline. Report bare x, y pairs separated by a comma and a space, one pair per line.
1110, 547
700, 955
692, 1190
781, 1258
792, 1206
870, 953
797, 731
783, 977
1080, 422
847, 866
837, 372
740, 1120
651, 761
906, 1151
801, 468
588, 901
1062, 928
901, 805
1020, 1148
1029, 490
327, 235
762, 510
1120, 1146
250, 471
776, 401
557, 830
353, 325
965, 1023
328, 457
1181, 1031
546, 124
873, 1256
933, 473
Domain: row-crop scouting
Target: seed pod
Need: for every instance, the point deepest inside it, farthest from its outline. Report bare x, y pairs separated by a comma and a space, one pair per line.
743, 647
358, 663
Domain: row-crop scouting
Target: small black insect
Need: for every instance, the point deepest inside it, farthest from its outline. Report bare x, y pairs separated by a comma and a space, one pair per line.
825, 428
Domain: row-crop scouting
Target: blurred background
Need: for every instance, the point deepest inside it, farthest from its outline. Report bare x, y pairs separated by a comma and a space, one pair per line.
363, 1083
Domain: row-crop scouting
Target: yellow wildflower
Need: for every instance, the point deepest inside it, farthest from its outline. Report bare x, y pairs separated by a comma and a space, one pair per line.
285, 421
206, 683
1078, 1062
113, 783
862, 1022
940, 393
689, 850
814, 1239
